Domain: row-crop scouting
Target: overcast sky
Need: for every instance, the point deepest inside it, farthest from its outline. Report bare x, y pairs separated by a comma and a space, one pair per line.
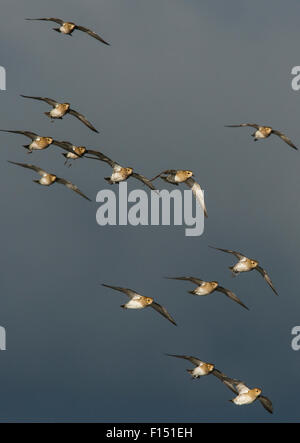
176, 72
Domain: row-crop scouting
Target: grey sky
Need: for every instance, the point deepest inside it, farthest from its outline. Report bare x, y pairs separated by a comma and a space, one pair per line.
176, 72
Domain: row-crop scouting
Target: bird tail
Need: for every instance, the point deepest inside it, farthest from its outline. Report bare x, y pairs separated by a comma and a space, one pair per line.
190, 371
48, 114
107, 179
26, 146
123, 306
191, 292
56, 29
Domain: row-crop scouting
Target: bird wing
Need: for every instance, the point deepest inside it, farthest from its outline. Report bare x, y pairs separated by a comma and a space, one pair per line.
67, 146
266, 277
29, 166
162, 311
29, 134
71, 186
167, 171
193, 360
266, 402
129, 292
229, 251
144, 180
83, 119
52, 19
284, 138
241, 387
252, 125
92, 152
91, 33
198, 193
231, 295
50, 101
197, 281
229, 382
105, 159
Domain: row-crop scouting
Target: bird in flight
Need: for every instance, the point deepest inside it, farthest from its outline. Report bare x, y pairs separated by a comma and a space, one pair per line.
67, 28
59, 110
245, 395
208, 287
74, 152
264, 132
246, 264
201, 368
138, 301
175, 177
47, 179
38, 142
120, 173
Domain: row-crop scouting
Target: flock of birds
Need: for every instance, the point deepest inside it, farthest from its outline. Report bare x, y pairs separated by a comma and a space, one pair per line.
244, 395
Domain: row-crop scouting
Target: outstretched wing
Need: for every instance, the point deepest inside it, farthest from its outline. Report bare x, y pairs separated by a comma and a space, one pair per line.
91, 33
197, 281
266, 277
231, 295
83, 119
229, 382
50, 101
161, 310
193, 360
29, 166
52, 19
104, 158
71, 186
144, 180
252, 125
229, 251
67, 146
167, 171
198, 193
29, 134
266, 402
92, 152
126, 291
284, 138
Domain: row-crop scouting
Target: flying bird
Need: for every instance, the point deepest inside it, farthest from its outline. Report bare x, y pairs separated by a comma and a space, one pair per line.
201, 368
208, 287
67, 28
264, 132
38, 142
138, 301
59, 110
246, 264
120, 173
175, 177
48, 179
245, 395
74, 152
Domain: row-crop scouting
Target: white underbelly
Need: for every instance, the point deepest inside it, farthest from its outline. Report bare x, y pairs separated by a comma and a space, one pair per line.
134, 304
202, 291
198, 371
117, 177
56, 113
241, 267
243, 399
259, 134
